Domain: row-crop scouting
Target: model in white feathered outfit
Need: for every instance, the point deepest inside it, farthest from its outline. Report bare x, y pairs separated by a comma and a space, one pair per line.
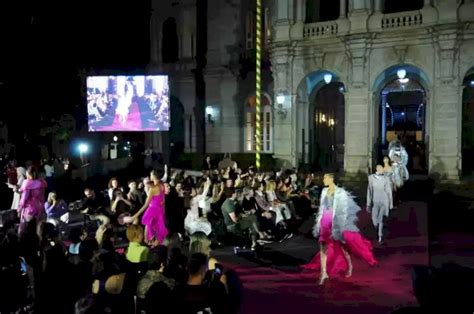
125, 102
399, 157
339, 237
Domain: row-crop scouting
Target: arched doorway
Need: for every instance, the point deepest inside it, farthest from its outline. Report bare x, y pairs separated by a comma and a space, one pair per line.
467, 133
400, 113
327, 123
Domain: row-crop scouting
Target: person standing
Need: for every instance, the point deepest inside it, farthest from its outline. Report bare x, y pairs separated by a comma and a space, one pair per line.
338, 234
19, 178
154, 208
379, 199
32, 198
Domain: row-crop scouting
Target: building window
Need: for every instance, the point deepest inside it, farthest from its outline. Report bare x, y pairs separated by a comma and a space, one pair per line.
267, 26
395, 6
321, 11
170, 42
250, 30
266, 123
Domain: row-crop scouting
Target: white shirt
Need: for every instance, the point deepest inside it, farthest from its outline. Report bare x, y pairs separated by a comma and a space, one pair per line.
49, 170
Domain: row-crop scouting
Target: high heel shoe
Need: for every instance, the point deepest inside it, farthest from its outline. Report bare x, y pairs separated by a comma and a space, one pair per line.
322, 278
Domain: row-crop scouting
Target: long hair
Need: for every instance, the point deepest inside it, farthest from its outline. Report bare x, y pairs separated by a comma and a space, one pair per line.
32, 172
389, 160
50, 197
110, 182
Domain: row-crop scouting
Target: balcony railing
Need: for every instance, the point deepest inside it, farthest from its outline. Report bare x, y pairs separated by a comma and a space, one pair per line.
320, 29
402, 19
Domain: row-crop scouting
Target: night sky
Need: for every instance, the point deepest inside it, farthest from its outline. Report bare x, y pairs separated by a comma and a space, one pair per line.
45, 44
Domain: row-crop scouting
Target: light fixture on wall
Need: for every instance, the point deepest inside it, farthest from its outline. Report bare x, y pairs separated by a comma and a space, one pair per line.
209, 113
280, 99
402, 73
327, 78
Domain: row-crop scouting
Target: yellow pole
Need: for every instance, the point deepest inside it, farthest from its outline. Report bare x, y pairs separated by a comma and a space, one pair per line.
258, 125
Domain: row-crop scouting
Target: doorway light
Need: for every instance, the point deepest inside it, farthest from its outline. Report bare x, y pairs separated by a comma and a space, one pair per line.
402, 73
328, 78
471, 83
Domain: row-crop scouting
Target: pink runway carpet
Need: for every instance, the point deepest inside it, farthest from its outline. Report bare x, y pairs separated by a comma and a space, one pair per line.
133, 122
383, 289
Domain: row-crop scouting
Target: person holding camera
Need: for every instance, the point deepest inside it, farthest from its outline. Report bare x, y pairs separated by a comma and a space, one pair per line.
204, 291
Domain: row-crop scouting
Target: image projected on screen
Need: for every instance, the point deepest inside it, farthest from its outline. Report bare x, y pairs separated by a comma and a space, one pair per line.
128, 103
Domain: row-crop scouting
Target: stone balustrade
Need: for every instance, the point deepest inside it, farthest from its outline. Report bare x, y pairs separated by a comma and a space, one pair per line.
401, 20
321, 29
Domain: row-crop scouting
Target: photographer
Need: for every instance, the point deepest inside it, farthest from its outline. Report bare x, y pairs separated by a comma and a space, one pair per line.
204, 290
120, 204
94, 206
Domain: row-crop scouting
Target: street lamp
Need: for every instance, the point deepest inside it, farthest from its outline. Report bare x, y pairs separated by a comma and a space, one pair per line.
280, 99
402, 73
83, 149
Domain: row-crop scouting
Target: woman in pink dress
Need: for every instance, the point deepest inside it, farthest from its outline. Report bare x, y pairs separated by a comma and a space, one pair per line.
154, 208
339, 237
32, 198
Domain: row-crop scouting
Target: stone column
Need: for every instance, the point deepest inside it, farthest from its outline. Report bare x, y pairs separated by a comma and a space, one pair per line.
384, 118
282, 126
283, 21
379, 5
358, 150
445, 157
342, 9
300, 10
187, 133
283, 10
427, 3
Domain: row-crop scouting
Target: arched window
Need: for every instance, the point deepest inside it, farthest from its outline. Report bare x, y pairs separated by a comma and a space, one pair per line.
321, 11
170, 42
266, 123
394, 6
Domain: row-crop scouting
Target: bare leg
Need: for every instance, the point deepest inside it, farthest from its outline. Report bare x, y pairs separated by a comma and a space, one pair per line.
323, 253
148, 240
380, 232
347, 256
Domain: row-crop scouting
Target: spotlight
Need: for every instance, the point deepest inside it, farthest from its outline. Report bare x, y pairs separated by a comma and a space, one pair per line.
402, 73
328, 78
83, 148
115, 138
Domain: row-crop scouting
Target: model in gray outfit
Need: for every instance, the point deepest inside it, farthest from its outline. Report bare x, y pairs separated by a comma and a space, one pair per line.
379, 198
